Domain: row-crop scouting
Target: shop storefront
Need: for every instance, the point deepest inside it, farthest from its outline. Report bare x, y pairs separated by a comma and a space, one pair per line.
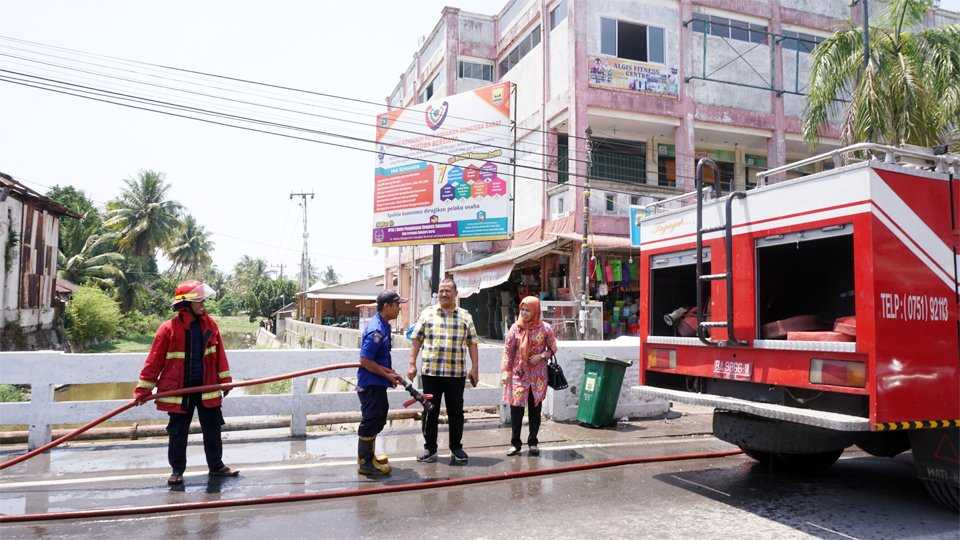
491, 288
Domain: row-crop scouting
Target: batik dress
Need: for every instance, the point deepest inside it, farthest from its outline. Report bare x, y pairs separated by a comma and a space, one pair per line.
523, 376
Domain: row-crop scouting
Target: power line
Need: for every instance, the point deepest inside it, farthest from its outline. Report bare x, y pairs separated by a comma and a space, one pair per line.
254, 82
122, 96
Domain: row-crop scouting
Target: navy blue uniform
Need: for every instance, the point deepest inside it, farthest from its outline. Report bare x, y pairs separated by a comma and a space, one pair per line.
371, 388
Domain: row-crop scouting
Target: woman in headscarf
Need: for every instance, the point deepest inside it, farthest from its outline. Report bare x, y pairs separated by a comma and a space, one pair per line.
529, 345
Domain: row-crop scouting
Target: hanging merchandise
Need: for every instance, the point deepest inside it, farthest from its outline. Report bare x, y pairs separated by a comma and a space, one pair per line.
598, 269
602, 290
626, 275
616, 267
635, 269
607, 272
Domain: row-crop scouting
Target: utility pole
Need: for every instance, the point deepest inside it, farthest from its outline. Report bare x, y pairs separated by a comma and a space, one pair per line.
866, 48
305, 255
584, 247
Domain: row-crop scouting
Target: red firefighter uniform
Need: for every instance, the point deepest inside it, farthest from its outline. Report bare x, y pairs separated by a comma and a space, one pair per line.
164, 368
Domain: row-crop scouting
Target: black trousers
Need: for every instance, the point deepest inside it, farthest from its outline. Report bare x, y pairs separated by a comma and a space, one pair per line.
516, 421
451, 390
373, 408
211, 419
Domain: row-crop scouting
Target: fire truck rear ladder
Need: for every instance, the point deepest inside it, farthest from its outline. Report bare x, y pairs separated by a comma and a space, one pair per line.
703, 325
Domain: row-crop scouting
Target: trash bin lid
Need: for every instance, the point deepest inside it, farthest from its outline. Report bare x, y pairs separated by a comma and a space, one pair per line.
608, 359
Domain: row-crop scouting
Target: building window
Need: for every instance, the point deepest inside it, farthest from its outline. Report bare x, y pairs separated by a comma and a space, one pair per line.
729, 28
634, 200
621, 161
725, 162
473, 70
796, 41
559, 205
632, 41
427, 92
527, 44
611, 202
666, 165
754, 164
558, 14
563, 156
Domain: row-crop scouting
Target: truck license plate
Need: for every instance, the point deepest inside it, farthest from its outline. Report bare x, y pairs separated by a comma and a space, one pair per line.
733, 370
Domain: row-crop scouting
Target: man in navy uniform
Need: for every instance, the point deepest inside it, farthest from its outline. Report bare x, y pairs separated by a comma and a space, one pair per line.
373, 377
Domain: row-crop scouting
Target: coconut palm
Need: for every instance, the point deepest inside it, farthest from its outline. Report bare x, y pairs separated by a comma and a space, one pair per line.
96, 263
190, 249
910, 91
144, 215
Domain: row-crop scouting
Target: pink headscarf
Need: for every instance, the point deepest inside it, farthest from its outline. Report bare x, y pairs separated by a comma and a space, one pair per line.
524, 328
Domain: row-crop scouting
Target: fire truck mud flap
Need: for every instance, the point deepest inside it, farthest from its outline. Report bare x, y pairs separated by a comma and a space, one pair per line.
936, 456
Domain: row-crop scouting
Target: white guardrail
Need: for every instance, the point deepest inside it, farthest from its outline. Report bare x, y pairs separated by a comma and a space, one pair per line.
42, 370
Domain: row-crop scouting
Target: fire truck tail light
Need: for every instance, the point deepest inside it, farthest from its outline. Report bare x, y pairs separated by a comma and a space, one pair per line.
838, 373
662, 359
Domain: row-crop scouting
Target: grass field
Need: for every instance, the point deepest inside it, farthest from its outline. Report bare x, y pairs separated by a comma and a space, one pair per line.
229, 327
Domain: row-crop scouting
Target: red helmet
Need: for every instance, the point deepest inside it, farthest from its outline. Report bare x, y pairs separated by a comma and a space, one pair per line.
193, 291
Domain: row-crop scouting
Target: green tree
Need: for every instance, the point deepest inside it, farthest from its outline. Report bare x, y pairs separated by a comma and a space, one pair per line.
91, 317
910, 91
330, 276
95, 263
144, 215
268, 295
190, 249
74, 232
245, 273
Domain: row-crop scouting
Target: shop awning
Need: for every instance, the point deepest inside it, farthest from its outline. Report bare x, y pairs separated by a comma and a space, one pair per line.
599, 241
493, 270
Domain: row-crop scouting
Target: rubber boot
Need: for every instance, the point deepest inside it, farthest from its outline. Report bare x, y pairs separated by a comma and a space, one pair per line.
365, 459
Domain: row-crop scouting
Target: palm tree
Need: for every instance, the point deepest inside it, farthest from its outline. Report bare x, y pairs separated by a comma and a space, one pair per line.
910, 91
190, 248
143, 215
97, 262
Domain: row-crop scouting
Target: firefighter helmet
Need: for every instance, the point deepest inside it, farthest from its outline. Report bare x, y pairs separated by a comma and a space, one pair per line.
193, 291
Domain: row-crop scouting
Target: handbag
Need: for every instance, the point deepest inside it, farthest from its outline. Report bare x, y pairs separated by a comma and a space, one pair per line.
555, 376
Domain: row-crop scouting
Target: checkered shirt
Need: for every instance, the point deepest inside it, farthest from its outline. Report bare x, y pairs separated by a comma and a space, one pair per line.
445, 338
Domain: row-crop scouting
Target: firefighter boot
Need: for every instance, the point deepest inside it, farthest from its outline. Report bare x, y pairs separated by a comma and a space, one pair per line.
365, 459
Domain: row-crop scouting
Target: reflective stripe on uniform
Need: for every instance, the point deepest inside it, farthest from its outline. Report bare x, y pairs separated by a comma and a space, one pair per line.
171, 399
179, 355
210, 350
146, 384
224, 374
210, 395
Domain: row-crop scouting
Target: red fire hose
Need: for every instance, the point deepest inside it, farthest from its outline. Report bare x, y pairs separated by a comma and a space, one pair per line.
179, 392
344, 493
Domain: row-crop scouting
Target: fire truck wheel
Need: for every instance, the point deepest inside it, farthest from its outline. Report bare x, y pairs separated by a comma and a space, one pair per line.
807, 463
937, 463
945, 493
885, 444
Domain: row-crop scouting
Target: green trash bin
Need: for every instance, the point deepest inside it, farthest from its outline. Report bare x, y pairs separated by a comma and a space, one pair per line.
600, 389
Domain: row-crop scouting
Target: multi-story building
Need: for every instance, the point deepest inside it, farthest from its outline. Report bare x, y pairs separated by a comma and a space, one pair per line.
648, 86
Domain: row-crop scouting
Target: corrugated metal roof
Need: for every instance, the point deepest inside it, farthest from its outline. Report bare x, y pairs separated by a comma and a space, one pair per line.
514, 255
363, 288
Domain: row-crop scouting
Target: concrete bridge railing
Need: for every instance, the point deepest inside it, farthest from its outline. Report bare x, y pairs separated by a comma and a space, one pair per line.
45, 369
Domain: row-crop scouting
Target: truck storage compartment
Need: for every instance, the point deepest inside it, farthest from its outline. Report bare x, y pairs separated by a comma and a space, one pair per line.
673, 279
805, 288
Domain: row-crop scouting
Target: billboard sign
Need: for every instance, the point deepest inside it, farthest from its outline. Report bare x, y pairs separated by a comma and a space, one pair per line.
443, 174
643, 77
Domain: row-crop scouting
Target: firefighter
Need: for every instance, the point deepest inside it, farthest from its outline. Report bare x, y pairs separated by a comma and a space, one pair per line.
373, 377
188, 351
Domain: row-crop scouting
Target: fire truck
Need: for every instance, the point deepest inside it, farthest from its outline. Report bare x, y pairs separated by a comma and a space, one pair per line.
814, 312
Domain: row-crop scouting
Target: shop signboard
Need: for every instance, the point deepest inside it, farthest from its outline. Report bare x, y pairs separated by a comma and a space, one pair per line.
643, 77
443, 170
636, 214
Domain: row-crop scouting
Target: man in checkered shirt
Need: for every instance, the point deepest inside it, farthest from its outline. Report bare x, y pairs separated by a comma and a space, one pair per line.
446, 334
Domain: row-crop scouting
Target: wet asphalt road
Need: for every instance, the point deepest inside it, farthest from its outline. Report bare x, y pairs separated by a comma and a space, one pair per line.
860, 497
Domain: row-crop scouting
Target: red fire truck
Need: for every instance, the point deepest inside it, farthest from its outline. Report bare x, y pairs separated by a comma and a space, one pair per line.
816, 312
